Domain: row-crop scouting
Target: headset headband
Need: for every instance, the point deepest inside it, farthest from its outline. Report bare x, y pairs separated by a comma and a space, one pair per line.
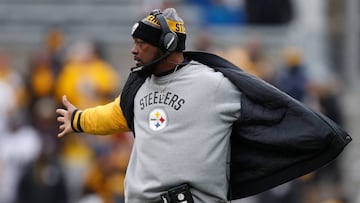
168, 38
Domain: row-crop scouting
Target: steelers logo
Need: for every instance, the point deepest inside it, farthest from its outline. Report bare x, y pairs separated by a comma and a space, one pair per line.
157, 119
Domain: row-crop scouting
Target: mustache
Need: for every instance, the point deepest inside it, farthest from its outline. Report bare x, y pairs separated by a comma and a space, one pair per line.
137, 60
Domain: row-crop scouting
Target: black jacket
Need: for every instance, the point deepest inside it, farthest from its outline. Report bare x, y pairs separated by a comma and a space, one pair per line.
276, 139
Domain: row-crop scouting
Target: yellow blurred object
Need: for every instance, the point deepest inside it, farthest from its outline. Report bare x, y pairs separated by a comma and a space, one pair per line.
292, 56
42, 81
241, 58
54, 39
87, 84
306, 178
76, 151
112, 182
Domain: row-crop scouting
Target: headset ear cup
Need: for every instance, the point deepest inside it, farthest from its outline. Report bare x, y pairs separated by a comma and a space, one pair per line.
169, 41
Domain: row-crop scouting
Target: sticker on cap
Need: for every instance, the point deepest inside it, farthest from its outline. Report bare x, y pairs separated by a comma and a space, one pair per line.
135, 26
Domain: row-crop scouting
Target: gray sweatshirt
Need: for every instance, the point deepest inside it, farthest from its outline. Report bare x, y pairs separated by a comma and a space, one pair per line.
183, 123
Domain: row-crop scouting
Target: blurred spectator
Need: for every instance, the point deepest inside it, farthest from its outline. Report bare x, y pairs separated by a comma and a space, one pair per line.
328, 179
19, 146
258, 62
7, 105
45, 174
14, 79
293, 78
87, 79
54, 46
251, 59
76, 157
41, 81
43, 180
44, 120
239, 57
42, 77
108, 170
45, 66
328, 92
203, 41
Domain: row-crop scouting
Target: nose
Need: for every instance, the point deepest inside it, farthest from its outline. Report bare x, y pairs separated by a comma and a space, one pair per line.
134, 50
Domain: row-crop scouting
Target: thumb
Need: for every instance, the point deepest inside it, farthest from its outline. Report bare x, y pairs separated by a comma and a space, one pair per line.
66, 103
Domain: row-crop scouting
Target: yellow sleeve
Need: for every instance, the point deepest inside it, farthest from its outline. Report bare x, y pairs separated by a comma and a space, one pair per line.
100, 120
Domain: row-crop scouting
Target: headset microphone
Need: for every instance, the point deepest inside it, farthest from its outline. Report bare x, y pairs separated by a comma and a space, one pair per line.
135, 69
141, 68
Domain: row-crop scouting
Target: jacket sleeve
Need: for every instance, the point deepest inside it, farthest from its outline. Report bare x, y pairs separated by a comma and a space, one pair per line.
100, 120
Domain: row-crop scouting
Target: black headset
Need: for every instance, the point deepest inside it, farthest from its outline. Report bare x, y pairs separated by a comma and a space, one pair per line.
168, 39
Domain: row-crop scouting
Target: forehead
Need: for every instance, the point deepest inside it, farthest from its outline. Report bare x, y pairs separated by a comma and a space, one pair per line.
144, 44
138, 40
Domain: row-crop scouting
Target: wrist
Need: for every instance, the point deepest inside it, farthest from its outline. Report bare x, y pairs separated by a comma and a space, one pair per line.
75, 121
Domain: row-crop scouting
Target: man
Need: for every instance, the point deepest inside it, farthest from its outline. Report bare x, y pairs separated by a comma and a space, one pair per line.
205, 131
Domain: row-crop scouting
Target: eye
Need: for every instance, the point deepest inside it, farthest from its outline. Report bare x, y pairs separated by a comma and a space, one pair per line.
139, 43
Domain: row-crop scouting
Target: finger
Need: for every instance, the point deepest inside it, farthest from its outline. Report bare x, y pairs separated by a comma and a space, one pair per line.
61, 134
65, 102
61, 111
64, 99
61, 119
62, 127
62, 131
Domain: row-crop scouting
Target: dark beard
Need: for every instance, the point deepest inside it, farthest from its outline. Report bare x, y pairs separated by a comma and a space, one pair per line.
149, 68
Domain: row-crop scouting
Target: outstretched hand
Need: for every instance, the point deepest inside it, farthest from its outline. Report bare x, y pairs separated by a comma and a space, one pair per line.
65, 117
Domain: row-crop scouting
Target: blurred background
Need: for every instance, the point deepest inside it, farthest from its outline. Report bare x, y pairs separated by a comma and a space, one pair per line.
81, 48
